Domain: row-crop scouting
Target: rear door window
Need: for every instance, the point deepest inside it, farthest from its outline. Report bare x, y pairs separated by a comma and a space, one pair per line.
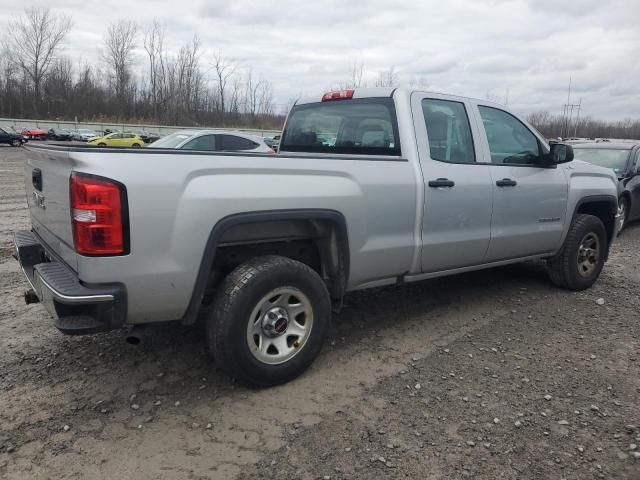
448, 130
365, 126
230, 143
205, 142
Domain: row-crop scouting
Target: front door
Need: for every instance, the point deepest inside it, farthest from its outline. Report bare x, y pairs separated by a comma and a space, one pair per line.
529, 197
457, 189
634, 187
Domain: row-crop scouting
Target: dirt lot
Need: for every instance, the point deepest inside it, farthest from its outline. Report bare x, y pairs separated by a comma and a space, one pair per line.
487, 375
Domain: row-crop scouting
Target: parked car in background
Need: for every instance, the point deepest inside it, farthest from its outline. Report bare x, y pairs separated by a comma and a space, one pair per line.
273, 142
11, 138
624, 159
59, 135
213, 141
84, 135
148, 137
118, 139
33, 133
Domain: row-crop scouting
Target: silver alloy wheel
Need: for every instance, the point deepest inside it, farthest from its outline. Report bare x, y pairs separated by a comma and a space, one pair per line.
588, 254
622, 213
279, 325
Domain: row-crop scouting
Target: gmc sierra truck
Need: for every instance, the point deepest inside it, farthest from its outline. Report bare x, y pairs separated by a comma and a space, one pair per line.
371, 187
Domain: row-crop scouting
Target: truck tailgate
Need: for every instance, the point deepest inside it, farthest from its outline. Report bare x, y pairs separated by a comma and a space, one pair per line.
46, 178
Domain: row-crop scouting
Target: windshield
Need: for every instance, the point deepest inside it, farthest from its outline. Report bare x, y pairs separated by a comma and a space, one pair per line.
603, 157
170, 141
364, 126
86, 131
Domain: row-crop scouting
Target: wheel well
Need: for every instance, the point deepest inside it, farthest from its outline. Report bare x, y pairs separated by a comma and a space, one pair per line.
605, 210
317, 238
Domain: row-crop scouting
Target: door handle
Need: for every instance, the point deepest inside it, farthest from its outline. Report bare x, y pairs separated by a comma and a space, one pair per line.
506, 182
441, 182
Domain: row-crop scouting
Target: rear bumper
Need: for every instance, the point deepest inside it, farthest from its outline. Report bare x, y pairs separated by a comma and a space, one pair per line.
77, 308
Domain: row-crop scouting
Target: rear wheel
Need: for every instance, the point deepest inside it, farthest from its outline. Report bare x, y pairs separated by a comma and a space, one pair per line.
136, 145
578, 264
102, 144
269, 319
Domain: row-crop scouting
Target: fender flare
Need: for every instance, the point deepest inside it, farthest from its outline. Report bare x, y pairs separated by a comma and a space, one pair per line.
223, 225
611, 199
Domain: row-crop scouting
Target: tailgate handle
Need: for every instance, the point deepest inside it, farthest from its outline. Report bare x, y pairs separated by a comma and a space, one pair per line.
36, 179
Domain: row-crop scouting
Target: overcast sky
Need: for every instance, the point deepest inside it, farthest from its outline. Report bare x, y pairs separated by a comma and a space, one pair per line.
528, 48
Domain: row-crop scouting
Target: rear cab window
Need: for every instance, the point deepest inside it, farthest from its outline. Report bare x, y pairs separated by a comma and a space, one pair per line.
359, 126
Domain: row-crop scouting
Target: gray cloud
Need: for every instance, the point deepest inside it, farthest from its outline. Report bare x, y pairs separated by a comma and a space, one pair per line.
529, 48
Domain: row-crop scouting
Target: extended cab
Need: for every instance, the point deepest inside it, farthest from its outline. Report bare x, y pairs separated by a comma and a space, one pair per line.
371, 187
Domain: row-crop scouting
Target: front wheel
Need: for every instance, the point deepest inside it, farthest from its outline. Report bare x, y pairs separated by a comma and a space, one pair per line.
16, 143
269, 320
136, 145
578, 264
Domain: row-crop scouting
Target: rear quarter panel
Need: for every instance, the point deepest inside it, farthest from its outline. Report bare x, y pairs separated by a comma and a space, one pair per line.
175, 200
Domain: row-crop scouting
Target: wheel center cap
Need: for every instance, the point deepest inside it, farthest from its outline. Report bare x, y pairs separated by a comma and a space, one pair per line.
275, 322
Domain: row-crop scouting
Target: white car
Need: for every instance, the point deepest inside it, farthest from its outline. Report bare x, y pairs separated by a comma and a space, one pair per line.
84, 135
213, 140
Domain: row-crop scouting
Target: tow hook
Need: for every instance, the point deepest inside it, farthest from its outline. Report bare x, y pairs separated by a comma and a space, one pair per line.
30, 297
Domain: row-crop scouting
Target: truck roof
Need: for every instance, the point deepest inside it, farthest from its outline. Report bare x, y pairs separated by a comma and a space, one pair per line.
377, 92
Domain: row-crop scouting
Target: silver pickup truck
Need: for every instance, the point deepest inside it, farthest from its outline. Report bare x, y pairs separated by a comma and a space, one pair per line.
371, 187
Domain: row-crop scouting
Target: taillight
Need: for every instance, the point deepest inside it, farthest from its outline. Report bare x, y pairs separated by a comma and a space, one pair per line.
338, 95
98, 215
271, 151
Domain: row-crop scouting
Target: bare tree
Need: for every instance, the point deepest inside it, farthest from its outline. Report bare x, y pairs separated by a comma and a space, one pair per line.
387, 78
224, 70
265, 106
120, 43
34, 39
154, 46
355, 77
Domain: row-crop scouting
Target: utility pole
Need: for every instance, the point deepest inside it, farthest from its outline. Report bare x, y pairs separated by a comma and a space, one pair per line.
568, 114
575, 131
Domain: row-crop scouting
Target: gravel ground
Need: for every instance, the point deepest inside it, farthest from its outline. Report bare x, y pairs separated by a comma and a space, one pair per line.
487, 375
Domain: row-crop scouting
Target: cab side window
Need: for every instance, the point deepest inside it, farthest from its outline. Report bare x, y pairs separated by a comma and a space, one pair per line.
448, 130
510, 141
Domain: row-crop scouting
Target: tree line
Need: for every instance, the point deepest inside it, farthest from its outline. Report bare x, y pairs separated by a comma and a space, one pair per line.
187, 86
184, 86
553, 126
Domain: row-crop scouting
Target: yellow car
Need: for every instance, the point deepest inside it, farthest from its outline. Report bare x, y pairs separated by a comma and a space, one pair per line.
120, 139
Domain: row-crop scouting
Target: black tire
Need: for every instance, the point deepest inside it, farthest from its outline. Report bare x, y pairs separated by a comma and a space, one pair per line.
136, 145
564, 266
236, 299
102, 144
624, 209
16, 143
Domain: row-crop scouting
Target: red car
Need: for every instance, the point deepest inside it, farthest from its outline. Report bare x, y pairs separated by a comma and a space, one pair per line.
33, 133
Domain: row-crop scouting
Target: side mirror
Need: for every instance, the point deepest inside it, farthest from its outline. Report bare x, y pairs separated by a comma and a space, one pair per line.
560, 153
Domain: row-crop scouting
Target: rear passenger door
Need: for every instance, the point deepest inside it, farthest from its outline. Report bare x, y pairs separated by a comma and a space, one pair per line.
457, 189
529, 197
